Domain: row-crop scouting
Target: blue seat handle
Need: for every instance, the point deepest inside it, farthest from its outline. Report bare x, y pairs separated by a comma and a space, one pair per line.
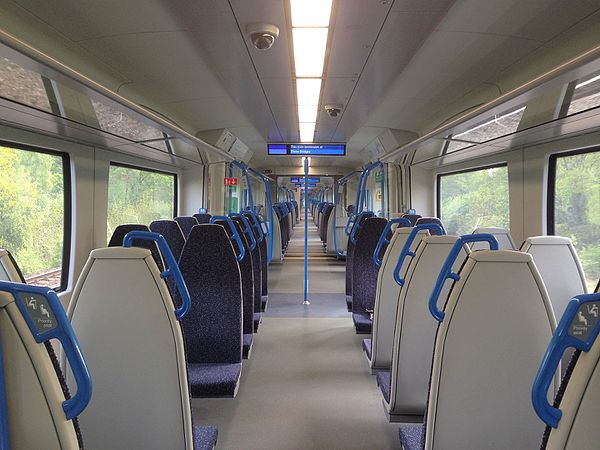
446, 271
235, 235
257, 226
247, 229
172, 269
357, 224
434, 228
383, 240
578, 328
350, 223
54, 324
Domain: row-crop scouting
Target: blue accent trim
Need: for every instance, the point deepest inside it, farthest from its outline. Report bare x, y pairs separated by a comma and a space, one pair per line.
383, 240
446, 271
561, 340
4, 436
357, 224
65, 334
256, 220
247, 229
434, 228
235, 235
172, 266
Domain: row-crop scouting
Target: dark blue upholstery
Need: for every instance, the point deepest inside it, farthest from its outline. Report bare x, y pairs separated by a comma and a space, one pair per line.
121, 231
364, 283
263, 251
326, 216
202, 218
213, 326
247, 341
412, 437
367, 345
257, 321
412, 217
254, 257
435, 220
214, 380
172, 234
384, 380
186, 223
349, 269
205, 438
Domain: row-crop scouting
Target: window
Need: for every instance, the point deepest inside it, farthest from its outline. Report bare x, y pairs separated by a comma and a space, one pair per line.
586, 94
22, 85
574, 206
499, 126
139, 196
35, 213
474, 198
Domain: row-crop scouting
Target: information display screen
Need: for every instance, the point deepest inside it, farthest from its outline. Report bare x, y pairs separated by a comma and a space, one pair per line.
310, 180
309, 185
307, 149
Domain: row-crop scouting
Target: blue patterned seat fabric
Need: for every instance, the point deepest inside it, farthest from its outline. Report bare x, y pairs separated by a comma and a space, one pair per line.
435, 220
412, 437
205, 438
186, 223
202, 218
121, 231
384, 380
367, 345
172, 234
263, 251
412, 217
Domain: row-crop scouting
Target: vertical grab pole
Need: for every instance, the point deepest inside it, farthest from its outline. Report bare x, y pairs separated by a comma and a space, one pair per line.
305, 302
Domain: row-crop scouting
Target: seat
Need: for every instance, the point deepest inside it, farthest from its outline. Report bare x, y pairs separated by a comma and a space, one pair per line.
350, 257
494, 330
365, 282
121, 231
275, 228
202, 217
261, 238
412, 217
572, 421
213, 327
413, 331
429, 220
9, 270
172, 233
341, 238
186, 223
127, 323
505, 240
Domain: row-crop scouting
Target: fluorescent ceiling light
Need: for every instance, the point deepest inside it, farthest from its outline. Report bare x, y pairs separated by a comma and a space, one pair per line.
308, 91
310, 13
307, 131
309, 51
590, 81
307, 113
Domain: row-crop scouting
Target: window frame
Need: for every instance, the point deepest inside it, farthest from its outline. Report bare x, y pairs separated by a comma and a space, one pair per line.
438, 184
551, 185
67, 202
152, 170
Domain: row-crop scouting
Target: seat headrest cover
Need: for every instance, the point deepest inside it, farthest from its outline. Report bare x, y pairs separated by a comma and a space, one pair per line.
172, 233
121, 231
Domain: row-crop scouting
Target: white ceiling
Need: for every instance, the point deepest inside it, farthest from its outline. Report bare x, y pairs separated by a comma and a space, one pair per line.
403, 64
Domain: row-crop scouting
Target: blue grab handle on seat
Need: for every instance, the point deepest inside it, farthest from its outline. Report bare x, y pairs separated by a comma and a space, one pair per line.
406, 251
357, 222
351, 220
59, 329
257, 226
446, 271
236, 237
247, 229
383, 240
172, 266
578, 328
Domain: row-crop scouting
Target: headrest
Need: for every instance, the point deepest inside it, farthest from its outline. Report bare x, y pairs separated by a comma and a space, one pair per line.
172, 233
186, 223
505, 240
427, 220
412, 217
121, 231
9, 269
202, 218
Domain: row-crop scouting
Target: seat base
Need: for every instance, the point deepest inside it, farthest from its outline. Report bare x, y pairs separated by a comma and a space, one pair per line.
412, 436
367, 345
214, 380
247, 345
362, 323
205, 438
257, 321
384, 381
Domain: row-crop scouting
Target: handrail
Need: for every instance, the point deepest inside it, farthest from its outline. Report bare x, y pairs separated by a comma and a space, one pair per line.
61, 330
447, 273
578, 328
383, 240
357, 222
172, 266
406, 251
247, 229
270, 212
235, 235
257, 226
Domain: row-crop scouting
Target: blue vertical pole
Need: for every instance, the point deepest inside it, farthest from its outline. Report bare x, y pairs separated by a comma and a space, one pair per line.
306, 302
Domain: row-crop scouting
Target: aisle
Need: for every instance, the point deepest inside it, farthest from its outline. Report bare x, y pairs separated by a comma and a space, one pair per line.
306, 384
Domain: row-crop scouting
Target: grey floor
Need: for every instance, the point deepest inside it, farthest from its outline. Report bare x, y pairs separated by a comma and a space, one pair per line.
306, 384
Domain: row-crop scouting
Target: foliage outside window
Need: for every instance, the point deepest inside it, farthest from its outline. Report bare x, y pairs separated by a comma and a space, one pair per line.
474, 199
586, 94
32, 212
577, 207
22, 85
139, 196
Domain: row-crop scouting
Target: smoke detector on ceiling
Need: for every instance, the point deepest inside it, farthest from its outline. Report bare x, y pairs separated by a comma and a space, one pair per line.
262, 35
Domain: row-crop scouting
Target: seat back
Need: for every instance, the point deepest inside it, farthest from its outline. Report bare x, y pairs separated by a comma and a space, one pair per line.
386, 298
560, 268
359, 221
433, 220
415, 328
412, 217
213, 326
496, 325
261, 239
121, 231
186, 223
124, 316
505, 240
202, 217
275, 228
9, 270
341, 238
172, 233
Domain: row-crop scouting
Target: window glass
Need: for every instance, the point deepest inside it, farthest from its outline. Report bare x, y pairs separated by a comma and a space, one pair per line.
22, 85
32, 212
139, 196
586, 94
577, 207
473, 199
116, 122
499, 126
